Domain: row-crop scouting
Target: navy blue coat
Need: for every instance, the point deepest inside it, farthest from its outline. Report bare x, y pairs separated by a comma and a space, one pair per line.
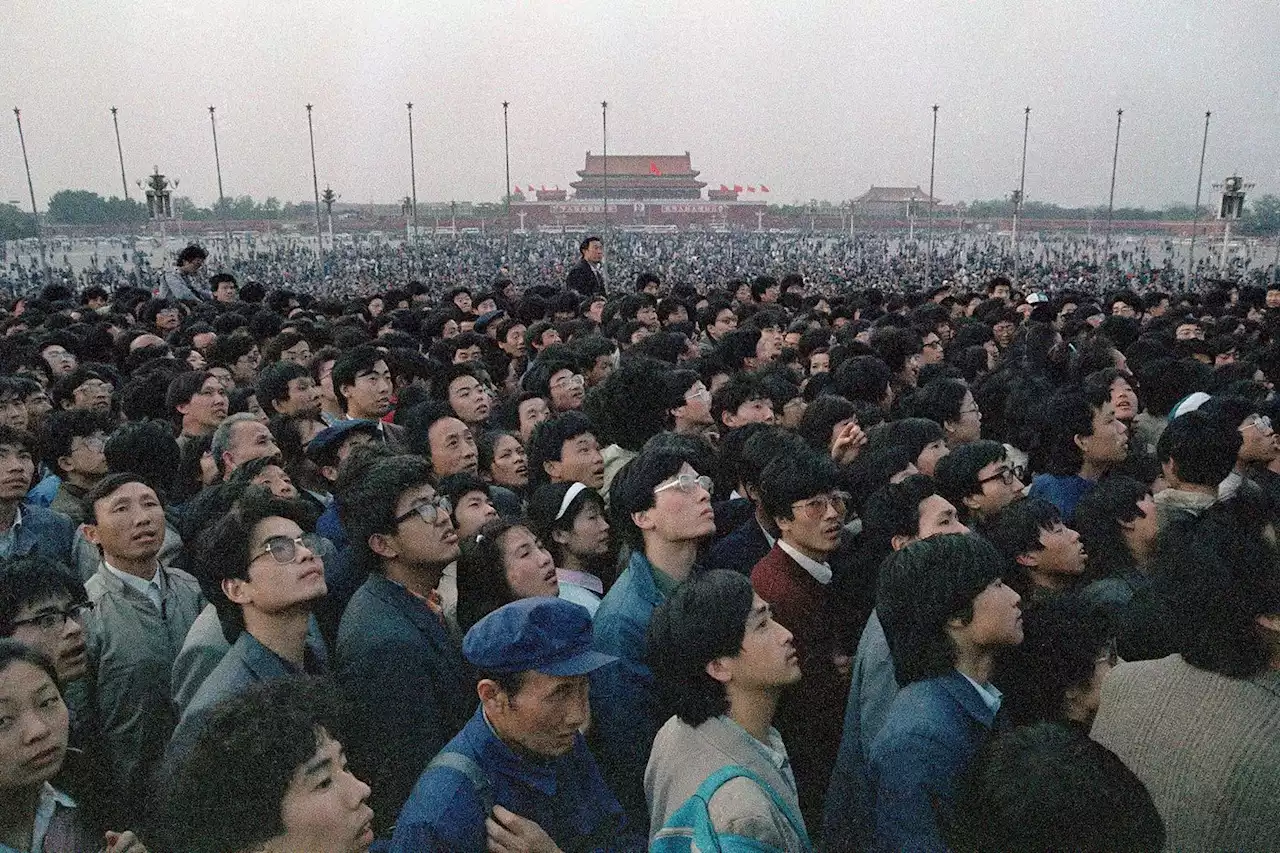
412, 689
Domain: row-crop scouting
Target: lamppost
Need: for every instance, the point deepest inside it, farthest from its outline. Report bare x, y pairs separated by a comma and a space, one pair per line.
315, 182
1111, 202
1232, 207
1020, 193
933, 152
604, 255
35, 212
120, 151
222, 202
1195, 219
413, 176
158, 190
328, 198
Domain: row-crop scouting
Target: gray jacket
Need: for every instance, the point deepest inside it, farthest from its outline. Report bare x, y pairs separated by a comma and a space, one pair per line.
132, 646
175, 285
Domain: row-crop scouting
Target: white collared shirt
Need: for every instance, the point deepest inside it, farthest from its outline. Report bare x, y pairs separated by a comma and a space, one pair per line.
152, 589
821, 571
991, 695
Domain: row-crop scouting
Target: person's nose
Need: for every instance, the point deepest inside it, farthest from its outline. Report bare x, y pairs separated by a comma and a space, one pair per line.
35, 728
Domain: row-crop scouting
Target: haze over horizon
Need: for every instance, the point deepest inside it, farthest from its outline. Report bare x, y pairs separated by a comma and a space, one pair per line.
817, 100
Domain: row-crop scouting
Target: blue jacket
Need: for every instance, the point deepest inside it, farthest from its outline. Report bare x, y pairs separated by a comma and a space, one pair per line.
566, 796
411, 687
934, 729
1063, 491
624, 715
47, 534
740, 550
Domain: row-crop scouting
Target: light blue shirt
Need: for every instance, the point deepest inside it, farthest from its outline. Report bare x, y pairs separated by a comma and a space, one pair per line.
152, 589
51, 799
991, 696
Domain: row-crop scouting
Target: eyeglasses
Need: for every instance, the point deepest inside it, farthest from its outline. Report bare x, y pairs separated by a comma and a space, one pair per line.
687, 483
933, 345
971, 411
700, 396
574, 381
284, 549
92, 385
818, 506
429, 510
1261, 422
53, 620
93, 443
1006, 475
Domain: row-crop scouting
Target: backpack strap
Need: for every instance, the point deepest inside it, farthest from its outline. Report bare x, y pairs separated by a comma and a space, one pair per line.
467, 766
717, 779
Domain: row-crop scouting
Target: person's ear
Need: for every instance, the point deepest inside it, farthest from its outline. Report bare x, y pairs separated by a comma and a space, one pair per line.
64, 467
720, 669
643, 520
1269, 622
971, 501
1028, 559
235, 590
91, 534
492, 696
553, 468
900, 541
182, 408
784, 525
561, 537
383, 545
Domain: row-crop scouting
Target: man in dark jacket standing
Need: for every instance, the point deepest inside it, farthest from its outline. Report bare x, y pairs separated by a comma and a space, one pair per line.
585, 277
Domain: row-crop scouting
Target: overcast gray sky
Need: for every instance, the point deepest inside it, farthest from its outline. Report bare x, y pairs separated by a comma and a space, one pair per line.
814, 99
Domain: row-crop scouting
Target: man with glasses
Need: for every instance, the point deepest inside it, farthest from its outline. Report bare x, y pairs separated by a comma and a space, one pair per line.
662, 506
142, 612
263, 574
1258, 447
978, 479
395, 658
72, 445
800, 494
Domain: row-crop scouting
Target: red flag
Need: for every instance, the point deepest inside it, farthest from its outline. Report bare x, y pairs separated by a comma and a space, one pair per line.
737, 188
653, 168
751, 189
517, 189
530, 187
723, 188
763, 188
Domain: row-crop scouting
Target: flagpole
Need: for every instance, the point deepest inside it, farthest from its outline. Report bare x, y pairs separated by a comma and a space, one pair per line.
35, 212
1111, 202
506, 157
933, 151
119, 150
1022, 188
413, 175
1195, 221
222, 204
604, 259
315, 183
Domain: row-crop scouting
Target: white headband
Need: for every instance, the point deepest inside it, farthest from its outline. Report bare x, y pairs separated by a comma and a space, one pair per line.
573, 491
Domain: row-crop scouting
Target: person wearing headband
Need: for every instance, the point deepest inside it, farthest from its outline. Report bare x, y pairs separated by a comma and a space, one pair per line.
570, 520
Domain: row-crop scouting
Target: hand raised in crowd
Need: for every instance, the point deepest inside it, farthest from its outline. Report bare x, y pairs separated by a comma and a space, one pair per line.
848, 443
510, 833
123, 842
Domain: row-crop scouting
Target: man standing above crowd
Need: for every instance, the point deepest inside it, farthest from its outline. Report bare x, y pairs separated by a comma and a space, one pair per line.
585, 276
186, 283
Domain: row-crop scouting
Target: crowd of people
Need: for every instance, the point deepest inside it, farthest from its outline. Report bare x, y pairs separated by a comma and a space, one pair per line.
834, 560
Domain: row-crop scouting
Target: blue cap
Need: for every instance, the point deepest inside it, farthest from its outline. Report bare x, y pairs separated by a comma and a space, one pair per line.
549, 635
483, 321
333, 436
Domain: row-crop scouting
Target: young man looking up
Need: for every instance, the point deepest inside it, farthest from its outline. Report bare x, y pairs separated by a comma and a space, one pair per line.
532, 657
286, 388
565, 450
1085, 441
946, 613
362, 384
663, 508
978, 479
142, 612
395, 659
434, 432
198, 401
1045, 556
721, 663
1196, 453
26, 529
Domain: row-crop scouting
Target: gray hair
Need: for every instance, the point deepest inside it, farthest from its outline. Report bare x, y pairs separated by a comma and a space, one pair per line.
222, 435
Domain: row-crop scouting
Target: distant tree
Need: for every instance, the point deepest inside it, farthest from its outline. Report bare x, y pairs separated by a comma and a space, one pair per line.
184, 207
81, 207
16, 224
1262, 216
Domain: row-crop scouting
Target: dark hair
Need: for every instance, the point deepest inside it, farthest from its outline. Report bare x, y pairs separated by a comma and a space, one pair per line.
30, 580
632, 405
820, 418
1218, 572
894, 510
352, 364
957, 472
1062, 639
191, 253
546, 444
1203, 449
367, 499
863, 377
1070, 414
182, 388
913, 434
587, 241
63, 391
740, 389
61, 428
921, 588
1015, 530
940, 400
228, 349
632, 489
543, 506
1046, 787
273, 383
790, 478
762, 444
482, 575
704, 619
243, 759
1099, 519
148, 450
222, 551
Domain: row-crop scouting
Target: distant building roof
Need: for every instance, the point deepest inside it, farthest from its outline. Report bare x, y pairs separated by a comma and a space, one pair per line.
898, 195
673, 165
